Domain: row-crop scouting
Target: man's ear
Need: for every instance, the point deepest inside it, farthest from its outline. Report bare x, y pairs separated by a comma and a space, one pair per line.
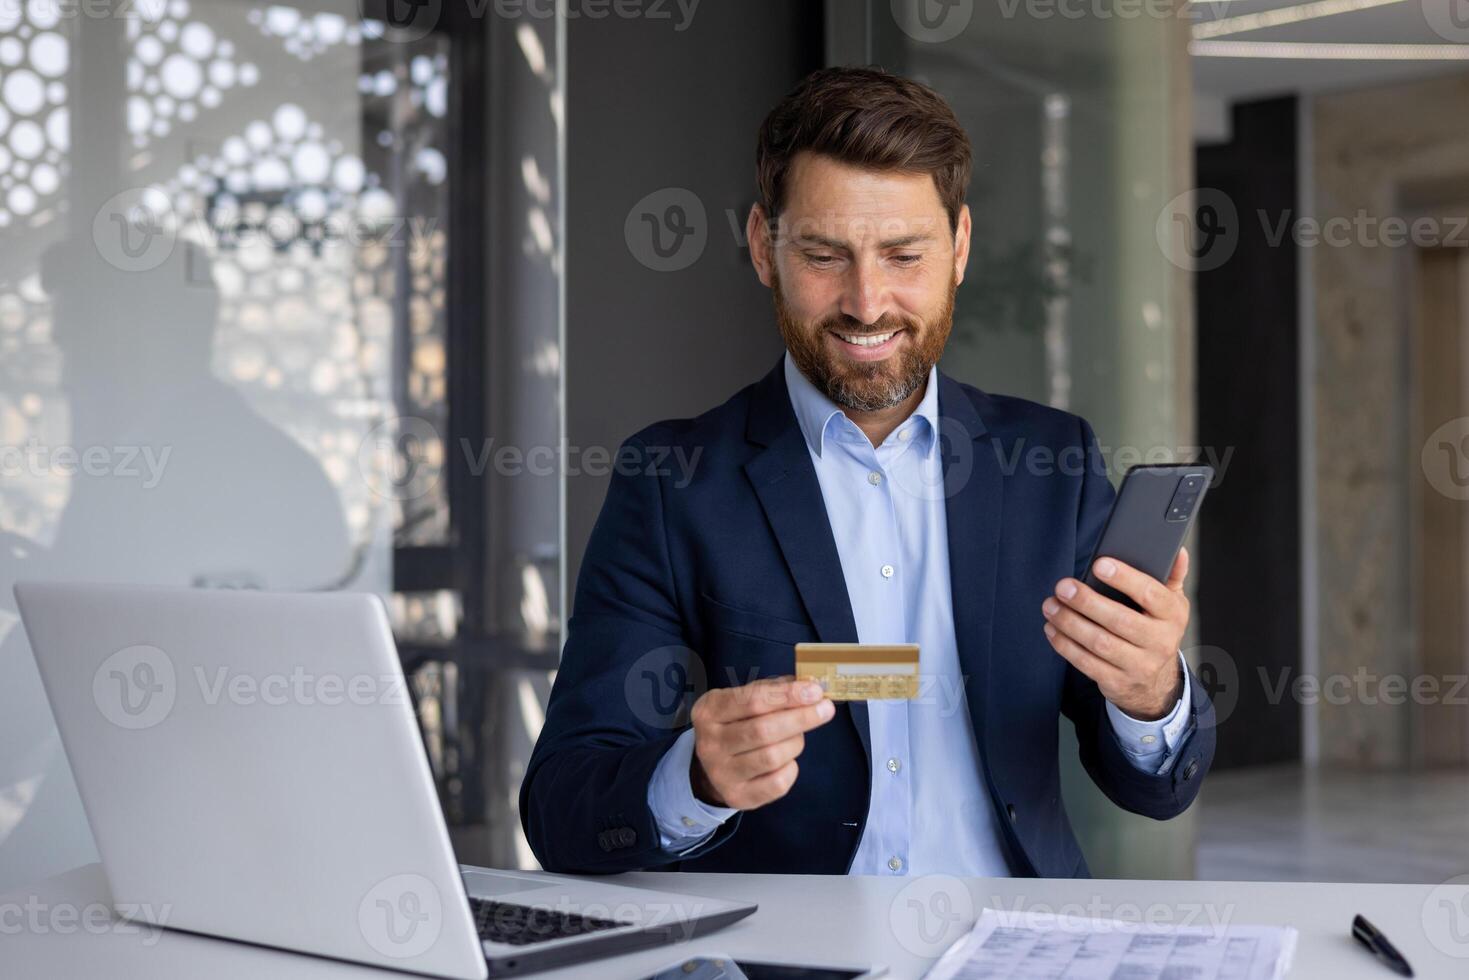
961, 244
758, 237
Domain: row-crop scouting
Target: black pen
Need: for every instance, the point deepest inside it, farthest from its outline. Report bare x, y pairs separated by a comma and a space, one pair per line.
1366, 933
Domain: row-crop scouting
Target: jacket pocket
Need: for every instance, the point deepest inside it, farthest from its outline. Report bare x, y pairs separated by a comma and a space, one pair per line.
744, 622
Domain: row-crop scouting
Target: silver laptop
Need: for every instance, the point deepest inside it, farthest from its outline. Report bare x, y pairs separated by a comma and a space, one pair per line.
252, 768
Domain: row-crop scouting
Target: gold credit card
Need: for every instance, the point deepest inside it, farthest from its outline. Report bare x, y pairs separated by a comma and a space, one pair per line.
861, 671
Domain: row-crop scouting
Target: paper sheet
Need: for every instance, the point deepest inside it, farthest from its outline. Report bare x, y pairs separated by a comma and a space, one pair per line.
1035, 945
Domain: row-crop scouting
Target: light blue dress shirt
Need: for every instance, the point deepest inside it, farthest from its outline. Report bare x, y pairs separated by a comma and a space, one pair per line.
928, 809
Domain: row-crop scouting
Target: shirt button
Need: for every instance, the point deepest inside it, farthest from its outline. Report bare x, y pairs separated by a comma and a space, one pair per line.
887, 571
1149, 739
894, 765
895, 863
874, 478
906, 434
689, 822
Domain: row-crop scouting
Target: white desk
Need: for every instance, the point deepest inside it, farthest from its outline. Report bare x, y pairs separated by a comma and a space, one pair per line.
805, 918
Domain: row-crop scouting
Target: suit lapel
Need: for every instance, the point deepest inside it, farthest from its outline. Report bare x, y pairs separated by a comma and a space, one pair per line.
785, 482
974, 495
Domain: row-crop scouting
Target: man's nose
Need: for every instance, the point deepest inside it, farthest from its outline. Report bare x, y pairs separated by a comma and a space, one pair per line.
866, 297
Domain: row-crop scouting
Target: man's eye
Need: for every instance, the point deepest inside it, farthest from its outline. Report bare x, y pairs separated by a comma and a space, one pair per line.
907, 259
820, 260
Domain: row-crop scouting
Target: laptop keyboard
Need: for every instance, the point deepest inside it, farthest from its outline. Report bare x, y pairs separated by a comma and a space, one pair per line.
521, 925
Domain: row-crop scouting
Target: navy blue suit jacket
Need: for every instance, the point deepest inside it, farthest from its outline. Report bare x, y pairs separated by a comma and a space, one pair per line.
710, 580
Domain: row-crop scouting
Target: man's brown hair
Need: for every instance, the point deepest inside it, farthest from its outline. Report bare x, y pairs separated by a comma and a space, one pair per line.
868, 118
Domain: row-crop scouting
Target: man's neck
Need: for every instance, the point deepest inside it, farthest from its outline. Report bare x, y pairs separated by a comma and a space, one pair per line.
880, 424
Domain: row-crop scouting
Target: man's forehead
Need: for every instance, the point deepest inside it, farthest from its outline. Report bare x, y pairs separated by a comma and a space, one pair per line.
826, 199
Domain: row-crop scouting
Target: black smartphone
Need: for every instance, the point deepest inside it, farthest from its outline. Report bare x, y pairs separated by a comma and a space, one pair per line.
1155, 507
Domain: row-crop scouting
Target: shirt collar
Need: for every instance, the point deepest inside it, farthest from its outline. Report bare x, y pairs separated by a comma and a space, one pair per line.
815, 412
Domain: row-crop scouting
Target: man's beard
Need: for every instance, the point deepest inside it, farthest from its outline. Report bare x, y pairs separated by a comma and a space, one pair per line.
865, 386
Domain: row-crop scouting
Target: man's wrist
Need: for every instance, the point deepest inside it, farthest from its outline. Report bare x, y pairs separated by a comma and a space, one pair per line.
699, 782
1167, 704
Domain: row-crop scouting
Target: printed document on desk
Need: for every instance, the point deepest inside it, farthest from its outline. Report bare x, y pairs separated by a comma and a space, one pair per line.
1035, 945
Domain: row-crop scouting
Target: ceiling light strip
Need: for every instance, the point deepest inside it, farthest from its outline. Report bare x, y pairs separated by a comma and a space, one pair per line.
1313, 51
1285, 15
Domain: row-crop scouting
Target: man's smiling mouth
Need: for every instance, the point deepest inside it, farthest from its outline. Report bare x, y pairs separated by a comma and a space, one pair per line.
868, 339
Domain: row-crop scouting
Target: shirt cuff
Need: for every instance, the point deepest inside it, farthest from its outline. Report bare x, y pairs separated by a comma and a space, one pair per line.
684, 821
1150, 745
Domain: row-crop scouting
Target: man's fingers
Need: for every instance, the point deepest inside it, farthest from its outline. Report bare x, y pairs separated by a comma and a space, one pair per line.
760, 697
752, 733
767, 758
1179, 573
1112, 615
1146, 591
769, 787
1093, 666
1093, 638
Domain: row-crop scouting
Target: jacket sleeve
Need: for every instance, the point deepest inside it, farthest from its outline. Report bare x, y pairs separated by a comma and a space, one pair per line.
622, 693
1160, 795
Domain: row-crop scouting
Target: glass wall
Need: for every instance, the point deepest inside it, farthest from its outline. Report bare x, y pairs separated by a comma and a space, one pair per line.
225, 241
1081, 139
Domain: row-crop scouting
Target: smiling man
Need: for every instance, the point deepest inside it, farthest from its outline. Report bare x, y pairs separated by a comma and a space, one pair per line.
857, 494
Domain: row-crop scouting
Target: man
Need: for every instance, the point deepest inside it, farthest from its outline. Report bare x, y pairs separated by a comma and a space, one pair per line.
855, 494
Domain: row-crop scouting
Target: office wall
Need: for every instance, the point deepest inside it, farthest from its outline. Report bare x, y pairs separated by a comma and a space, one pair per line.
652, 108
1391, 151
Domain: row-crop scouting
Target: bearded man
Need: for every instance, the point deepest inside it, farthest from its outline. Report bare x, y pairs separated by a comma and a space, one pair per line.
857, 494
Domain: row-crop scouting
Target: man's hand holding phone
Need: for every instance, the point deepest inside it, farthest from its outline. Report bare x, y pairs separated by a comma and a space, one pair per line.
747, 738
1133, 656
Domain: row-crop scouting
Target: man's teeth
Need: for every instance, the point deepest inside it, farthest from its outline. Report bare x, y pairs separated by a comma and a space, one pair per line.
867, 340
